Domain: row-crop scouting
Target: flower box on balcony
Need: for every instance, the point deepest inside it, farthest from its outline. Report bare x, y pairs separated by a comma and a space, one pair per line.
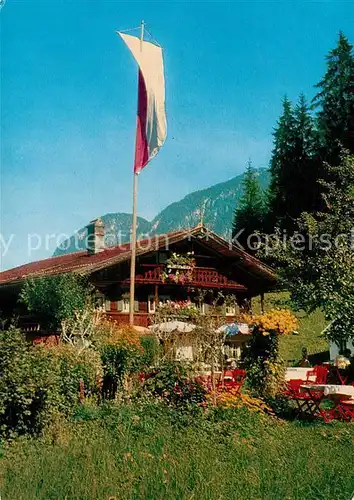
179, 269
178, 276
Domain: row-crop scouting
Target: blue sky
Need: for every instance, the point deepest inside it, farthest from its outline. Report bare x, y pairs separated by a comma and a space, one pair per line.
68, 102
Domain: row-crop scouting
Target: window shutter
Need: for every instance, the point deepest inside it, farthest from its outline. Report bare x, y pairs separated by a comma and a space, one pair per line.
120, 306
136, 306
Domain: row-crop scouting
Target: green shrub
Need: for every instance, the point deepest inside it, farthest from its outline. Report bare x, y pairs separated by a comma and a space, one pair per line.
265, 369
37, 382
73, 366
174, 384
55, 298
119, 361
151, 351
24, 384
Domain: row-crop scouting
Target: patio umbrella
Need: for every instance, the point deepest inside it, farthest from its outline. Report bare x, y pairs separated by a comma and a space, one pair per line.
173, 326
234, 329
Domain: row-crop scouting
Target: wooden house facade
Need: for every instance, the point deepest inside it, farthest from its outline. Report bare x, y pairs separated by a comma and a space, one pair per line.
219, 266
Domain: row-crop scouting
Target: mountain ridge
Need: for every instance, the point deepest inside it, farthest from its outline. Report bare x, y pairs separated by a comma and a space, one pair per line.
214, 205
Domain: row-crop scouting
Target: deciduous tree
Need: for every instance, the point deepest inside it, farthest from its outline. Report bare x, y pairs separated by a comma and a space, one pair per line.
317, 264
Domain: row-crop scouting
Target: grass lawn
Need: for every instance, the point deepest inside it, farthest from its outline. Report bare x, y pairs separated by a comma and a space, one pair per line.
150, 453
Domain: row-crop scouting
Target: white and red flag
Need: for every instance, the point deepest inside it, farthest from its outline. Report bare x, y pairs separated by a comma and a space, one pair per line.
151, 121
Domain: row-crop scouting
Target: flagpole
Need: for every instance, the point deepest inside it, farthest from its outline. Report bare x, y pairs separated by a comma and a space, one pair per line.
134, 224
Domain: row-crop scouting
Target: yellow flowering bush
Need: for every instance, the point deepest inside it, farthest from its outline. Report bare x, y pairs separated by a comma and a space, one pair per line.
115, 334
265, 370
233, 399
280, 321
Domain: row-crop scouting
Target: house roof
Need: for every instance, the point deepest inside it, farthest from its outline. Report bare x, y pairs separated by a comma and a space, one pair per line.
84, 263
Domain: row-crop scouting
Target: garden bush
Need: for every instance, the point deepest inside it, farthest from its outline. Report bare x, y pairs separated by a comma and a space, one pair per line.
74, 366
37, 382
121, 355
27, 381
175, 384
152, 351
18, 390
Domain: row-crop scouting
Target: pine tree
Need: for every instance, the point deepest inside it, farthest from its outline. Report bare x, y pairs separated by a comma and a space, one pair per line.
249, 213
295, 167
335, 102
280, 164
304, 189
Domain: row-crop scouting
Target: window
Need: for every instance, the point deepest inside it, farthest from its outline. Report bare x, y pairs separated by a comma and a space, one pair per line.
125, 305
99, 300
107, 305
230, 311
151, 304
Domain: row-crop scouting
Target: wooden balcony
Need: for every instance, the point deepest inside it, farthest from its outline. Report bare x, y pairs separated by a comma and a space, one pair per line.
202, 277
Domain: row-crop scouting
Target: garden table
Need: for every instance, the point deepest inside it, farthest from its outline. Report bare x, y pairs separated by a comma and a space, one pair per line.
330, 389
298, 373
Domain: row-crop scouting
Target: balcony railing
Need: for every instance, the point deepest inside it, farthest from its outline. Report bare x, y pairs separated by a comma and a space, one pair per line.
205, 277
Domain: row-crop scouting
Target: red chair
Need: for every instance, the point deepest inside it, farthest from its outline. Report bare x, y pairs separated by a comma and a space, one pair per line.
145, 376
346, 409
232, 379
293, 388
294, 392
239, 373
239, 377
320, 372
342, 378
308, 400
204, 381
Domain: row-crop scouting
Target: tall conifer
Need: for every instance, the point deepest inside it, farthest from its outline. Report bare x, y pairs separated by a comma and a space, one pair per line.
249, 213
295, 167
304, 188
335, 102
280, 164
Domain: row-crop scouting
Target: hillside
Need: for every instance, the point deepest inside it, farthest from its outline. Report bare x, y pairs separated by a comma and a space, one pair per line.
215, 205
117, 227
